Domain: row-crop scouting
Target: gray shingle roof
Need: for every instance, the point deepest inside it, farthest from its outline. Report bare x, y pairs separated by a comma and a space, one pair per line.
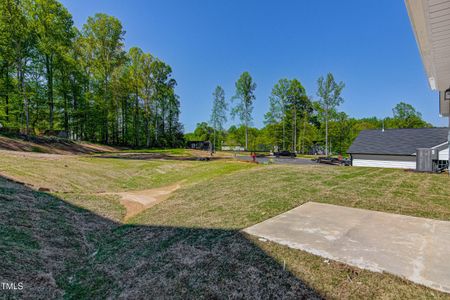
398, 141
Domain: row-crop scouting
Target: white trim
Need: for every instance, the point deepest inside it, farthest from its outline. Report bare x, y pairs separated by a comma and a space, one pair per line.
440, 145
431, 23
418, 11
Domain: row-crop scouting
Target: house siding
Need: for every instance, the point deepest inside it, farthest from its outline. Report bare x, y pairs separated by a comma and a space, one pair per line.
443, 154
384, 161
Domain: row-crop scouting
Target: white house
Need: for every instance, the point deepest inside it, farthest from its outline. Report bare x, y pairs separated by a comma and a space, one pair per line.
430, 20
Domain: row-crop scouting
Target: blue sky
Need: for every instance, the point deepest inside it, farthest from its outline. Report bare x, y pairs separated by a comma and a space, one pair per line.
367, 44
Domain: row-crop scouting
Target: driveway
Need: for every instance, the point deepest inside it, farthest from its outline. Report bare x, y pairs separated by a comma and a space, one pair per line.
417, 249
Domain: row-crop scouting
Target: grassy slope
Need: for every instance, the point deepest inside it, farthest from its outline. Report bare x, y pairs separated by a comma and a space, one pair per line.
190, 245
96, 175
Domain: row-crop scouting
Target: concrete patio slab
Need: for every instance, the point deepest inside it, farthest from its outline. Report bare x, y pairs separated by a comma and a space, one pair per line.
417, 249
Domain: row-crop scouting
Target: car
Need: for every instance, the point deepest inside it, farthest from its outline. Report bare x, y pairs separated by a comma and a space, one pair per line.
285, 153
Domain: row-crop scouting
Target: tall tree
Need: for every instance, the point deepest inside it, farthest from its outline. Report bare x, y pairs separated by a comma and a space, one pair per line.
245, 95
278, 104
298, 103
163, 85
53, 28
329, 92
135, 55
17, 45
219, 111
147, 93
104, 35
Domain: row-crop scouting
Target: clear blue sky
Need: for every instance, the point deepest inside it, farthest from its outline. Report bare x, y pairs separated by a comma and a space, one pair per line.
367, 44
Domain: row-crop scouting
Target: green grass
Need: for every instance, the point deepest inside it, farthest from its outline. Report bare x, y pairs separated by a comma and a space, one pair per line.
73, 242
239, 200
96, 175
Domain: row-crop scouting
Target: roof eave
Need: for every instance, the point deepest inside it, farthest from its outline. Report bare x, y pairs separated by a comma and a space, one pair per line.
417, 11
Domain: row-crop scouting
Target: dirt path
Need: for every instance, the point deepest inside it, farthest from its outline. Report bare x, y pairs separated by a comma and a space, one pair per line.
138, 201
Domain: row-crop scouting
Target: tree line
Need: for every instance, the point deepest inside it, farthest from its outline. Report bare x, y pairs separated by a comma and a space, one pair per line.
295, 121
57, 78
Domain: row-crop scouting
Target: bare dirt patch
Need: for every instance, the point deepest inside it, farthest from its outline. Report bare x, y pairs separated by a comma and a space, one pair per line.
138, 201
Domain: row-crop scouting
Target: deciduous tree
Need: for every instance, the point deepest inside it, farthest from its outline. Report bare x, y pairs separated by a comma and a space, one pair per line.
329, 92
244, 95
219, 111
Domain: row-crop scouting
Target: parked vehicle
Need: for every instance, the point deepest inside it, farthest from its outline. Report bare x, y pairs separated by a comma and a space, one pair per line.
285, 153
333, 161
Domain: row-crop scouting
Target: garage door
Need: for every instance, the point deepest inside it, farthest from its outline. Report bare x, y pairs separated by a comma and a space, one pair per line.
384, 163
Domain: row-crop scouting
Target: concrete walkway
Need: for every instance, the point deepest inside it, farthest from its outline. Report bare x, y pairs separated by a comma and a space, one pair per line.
417, 249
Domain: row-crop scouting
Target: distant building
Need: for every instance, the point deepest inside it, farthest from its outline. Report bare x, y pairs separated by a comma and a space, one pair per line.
199, 145
232, 148
397, 148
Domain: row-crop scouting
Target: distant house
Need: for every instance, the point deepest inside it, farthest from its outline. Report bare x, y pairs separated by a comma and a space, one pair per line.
199, 145
232, 148
396, 148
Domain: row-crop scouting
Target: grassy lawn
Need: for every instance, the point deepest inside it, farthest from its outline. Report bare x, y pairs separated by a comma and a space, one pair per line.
73, 243
240, 200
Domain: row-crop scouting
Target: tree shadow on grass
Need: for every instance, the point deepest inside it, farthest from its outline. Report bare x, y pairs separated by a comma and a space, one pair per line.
159, 156
58, 250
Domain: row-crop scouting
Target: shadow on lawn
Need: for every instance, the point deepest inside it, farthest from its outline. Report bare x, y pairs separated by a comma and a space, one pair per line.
160, 156
60, 250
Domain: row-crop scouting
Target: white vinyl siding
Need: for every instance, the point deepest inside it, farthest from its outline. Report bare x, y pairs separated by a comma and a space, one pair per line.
443, 154
384, 163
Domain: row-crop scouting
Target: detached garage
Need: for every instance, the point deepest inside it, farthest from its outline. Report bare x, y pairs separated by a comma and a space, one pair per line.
397, 148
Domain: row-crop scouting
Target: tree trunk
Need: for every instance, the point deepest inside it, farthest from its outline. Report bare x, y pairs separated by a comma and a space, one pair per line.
75, 118
214, 144
304, 133
156, 124
326, 130
66, 114
49, 71
136, 112
7, 92
147, 122
295, 130
124, 116
106, 107
22, 92
246, 136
